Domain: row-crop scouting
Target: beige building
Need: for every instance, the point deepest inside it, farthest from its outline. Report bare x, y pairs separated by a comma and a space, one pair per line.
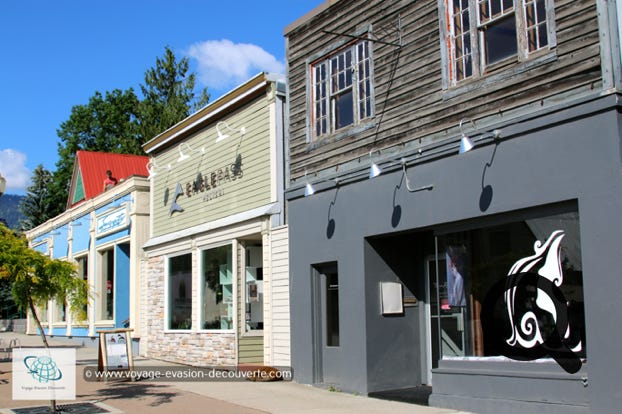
215, 289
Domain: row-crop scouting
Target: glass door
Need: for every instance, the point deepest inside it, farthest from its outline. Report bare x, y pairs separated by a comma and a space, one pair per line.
444, 313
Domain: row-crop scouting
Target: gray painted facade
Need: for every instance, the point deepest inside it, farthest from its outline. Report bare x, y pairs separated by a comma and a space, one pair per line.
375, 230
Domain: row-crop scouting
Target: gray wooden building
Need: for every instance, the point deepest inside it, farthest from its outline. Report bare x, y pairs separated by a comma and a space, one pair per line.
454, 188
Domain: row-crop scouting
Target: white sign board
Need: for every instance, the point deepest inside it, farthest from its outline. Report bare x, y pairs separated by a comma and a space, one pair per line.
111, 222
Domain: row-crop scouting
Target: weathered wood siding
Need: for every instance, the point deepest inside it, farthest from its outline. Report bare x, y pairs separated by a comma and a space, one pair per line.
410, 103
233, 194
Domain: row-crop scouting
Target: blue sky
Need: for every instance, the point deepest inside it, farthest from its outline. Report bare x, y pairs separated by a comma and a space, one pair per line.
57, 54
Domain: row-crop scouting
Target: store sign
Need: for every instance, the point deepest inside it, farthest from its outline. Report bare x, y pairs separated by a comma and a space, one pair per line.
209, 185
526, 314
111, 222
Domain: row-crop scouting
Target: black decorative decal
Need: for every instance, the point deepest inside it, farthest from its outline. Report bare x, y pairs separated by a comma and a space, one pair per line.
526, 315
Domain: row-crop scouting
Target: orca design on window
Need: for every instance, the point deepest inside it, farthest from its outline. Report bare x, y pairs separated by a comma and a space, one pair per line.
512, 290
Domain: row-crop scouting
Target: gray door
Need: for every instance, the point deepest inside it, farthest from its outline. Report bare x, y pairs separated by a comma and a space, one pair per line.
326, 338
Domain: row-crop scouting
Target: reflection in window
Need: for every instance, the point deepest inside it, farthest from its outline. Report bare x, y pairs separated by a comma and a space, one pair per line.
341, 89
105, 287
481, 33
254, 288
217, 306
477, 313
83, 273
332, 308
180, 292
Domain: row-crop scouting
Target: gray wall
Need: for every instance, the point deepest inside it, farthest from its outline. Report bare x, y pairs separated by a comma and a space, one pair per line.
574, 154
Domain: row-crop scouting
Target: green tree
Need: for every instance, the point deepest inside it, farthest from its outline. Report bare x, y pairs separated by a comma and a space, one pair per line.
119, 122
107, 123
168, 95
36, 279
35, 206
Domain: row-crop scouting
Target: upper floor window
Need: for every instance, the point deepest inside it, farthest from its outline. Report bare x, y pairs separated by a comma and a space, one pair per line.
341, 89
482, 33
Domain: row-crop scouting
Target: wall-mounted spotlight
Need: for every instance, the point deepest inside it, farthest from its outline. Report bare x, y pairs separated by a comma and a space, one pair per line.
223, 125
466, 144
309, 190
151, 167
374, 170
184, 156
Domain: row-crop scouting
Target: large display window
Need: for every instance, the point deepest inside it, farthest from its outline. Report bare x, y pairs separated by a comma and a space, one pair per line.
180, 292
106, 285
511, 289
217, 284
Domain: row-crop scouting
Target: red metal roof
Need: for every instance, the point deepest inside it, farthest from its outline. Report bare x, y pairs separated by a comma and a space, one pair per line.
92, 166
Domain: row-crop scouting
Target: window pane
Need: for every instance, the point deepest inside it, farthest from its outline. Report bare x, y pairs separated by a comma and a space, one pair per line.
217, 307
180, 292
512, 290
348, 90
343, 110
105, 286
459, 41
332, 309
536, 24
254, 288
83, 273
500, 40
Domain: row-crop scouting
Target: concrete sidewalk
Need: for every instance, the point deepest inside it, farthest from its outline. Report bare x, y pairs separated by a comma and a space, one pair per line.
195, 397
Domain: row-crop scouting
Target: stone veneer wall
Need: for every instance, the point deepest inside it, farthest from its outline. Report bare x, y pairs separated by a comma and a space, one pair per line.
193, 348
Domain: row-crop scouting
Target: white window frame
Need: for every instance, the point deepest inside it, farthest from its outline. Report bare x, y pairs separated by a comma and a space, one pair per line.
245, 266
100, 293
167, 307
468, 47
84, 256
326, 86
201, 287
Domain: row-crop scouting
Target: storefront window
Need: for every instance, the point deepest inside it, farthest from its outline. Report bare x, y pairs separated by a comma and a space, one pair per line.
60, 312
513, 289
180, 292
83, 273
105, 287
217, 306
254, 288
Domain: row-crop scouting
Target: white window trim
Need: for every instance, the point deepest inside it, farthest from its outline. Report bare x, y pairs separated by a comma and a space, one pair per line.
167, 329
98, 275
201, 287
250, 332
324, 55
479, 68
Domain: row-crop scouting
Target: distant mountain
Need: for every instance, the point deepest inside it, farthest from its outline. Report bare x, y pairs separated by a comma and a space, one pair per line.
9, 210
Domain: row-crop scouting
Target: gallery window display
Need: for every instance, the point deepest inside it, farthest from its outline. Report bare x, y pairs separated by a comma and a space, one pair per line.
180, 292
217, 307
254, 288
511, 289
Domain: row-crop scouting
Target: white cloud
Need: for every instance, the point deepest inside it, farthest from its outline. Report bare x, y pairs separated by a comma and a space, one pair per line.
13, 168
223, 64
